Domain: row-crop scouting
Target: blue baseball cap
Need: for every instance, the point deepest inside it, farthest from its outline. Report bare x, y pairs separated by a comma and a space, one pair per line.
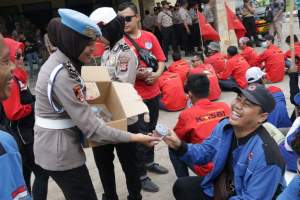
79, 22
297, 99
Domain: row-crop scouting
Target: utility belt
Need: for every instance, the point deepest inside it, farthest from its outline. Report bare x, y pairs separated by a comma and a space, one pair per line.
54, 123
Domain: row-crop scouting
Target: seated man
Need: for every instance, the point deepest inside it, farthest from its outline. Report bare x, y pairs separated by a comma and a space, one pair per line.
215, 57
234, 73
247, 51
179, 66
273, 59
288, 54
288, 154
291, 192
245, 157
279, 117
195, 124
173, 97
198, 68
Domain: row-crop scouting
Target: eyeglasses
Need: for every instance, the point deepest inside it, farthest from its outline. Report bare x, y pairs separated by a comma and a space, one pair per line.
193, 61
128, 18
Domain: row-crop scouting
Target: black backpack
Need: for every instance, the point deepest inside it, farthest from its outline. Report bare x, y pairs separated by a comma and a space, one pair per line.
145, 55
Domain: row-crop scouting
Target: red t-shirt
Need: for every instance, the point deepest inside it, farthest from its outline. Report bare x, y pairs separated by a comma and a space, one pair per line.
195, 124
214, 87
217, 61
173, 96
180, 67
148, 41
274, 63
297, 54
236, 67
250, 56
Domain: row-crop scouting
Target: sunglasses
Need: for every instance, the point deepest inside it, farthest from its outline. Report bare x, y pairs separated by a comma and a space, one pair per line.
129, 18
193, 61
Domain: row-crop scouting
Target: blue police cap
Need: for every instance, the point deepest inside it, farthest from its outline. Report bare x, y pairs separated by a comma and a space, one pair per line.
79, 23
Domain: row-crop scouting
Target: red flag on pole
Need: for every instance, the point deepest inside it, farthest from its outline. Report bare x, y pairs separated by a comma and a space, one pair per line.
235, 23
206, 30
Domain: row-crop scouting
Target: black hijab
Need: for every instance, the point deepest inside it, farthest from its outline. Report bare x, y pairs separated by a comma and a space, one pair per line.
114, 30
68, 41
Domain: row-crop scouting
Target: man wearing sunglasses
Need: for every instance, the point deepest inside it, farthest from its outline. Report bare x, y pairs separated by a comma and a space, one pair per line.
147, 86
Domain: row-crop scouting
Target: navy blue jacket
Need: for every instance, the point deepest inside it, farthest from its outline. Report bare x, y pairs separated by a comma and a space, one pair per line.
258, 167
12, 184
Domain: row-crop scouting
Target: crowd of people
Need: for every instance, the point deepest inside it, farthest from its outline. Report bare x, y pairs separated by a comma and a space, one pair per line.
178, 26
236, 151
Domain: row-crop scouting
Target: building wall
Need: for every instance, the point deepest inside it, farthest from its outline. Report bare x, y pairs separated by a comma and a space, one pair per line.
19, 3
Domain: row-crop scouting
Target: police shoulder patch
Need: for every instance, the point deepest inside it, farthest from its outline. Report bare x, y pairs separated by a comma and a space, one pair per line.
123, 63
78, 93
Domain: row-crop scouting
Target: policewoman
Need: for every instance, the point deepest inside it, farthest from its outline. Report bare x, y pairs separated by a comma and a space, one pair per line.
122, 63
63, 116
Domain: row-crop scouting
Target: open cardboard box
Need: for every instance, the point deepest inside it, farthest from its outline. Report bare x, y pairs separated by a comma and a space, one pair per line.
121, 99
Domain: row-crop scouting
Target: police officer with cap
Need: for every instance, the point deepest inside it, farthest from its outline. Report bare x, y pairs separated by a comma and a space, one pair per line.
120, 59
122, 63
63, 117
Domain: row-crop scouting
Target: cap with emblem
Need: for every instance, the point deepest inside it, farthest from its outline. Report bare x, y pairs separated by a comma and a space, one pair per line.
103, 15
254, 74
214, 46
259, 95
79, 23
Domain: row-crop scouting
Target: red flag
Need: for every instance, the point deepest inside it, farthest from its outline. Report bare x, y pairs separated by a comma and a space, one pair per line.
235, 23
206, 30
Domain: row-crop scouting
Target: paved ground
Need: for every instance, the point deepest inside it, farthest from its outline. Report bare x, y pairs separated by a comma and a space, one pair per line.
165, 182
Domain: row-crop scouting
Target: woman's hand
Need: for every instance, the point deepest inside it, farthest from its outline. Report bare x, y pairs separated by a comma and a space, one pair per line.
146, 140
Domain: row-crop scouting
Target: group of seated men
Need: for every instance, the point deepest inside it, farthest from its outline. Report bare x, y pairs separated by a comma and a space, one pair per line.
194, 87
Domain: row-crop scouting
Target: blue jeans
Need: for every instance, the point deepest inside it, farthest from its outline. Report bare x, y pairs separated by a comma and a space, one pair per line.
227, 85
181, 169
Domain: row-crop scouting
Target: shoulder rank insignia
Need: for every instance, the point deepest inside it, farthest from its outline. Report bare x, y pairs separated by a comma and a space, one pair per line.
72, 72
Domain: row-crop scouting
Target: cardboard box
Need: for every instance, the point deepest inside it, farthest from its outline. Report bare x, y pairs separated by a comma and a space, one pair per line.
121, 99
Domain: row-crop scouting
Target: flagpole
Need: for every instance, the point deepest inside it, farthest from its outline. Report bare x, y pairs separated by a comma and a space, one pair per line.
201, 38
292, 41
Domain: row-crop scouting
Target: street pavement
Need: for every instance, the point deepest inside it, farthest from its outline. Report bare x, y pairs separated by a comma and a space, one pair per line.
165, 182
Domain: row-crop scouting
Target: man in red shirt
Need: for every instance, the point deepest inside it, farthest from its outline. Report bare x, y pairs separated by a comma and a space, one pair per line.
195, 124
287, 54
273, 59
173, 97
200, 68
147, 86
247, 51
179, 66
215, 57
235, 71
